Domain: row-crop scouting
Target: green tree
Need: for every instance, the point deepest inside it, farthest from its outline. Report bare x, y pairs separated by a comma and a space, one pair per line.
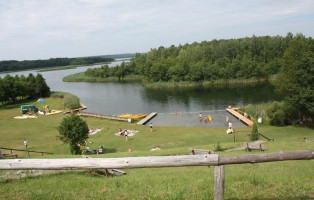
73, 130
254, 135
31, 85
296, 78
42, 89
2, 92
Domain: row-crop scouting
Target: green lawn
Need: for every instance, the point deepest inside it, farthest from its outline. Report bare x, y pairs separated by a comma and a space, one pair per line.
275, 180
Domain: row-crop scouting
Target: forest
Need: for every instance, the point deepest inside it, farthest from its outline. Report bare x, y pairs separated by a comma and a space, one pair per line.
23, 87
14, 65
257, 57
289, 59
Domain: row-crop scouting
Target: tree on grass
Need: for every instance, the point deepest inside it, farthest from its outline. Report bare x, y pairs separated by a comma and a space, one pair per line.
254, 135
296, 78
73, 130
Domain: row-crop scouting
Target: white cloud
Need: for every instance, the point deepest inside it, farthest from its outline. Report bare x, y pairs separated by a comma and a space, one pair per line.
66, 28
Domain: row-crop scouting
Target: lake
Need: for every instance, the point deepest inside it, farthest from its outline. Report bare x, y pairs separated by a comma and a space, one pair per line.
115, 98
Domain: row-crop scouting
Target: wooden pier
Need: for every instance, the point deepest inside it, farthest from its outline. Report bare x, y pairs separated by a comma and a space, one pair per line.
86, 114
146, 119
83, 107
240, 117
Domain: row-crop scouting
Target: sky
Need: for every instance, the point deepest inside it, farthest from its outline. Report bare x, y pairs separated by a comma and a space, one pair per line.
42, 29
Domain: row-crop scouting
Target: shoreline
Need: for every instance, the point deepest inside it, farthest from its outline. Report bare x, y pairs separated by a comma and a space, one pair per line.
80, 77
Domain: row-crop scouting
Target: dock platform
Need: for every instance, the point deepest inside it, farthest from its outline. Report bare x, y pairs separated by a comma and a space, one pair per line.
146, 119
240, 117
83, 107
86, 114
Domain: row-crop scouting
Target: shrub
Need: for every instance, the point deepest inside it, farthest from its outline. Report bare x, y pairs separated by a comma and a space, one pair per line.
218, 147
254, 135
276, 113
57, 95
256, 110
71, 101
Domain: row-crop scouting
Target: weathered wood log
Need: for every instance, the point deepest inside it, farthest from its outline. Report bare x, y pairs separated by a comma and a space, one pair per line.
111, 163
270, 157
150, 162
219, 176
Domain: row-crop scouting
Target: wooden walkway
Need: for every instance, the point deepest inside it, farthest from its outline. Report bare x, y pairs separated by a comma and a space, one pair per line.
83, 107
86, 114
146, 119
240, 117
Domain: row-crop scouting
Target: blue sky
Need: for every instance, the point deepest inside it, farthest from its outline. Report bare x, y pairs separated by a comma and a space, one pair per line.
41, 29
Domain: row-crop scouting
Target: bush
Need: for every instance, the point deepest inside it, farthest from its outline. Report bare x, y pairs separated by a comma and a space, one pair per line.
57, 95
71, 101
256, 110
276, 113
254, 135
218, 147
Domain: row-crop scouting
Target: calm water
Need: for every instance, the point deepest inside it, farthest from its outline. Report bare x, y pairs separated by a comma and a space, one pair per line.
131, 97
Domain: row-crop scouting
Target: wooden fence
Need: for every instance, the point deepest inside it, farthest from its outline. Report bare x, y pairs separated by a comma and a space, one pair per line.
28, 151
156, 162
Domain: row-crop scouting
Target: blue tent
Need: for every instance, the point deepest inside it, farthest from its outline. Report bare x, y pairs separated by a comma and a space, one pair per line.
41, 100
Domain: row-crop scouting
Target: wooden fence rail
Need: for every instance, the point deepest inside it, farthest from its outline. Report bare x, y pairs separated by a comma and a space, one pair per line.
28, 151
156, 162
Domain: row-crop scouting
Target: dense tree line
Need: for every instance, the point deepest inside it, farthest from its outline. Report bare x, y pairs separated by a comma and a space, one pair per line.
24, 87
258, 57
119, 71
14, 65
295, 84
290, 57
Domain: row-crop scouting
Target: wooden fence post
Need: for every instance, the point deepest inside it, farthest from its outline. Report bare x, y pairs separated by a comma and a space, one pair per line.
219, 175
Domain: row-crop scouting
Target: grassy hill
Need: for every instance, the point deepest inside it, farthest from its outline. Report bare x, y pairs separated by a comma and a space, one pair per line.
275, 180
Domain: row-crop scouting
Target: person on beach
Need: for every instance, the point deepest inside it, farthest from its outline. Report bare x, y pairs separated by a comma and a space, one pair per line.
126, 135
227, 120
200, 115
151, 127
25, 143
230, 125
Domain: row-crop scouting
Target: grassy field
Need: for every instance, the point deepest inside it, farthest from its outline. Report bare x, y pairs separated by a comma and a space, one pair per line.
275, 180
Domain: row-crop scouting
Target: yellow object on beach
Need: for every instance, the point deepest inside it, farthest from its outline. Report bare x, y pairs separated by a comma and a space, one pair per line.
52, 112
138, 116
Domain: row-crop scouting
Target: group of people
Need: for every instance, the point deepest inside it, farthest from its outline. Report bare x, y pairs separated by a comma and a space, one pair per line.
206, 119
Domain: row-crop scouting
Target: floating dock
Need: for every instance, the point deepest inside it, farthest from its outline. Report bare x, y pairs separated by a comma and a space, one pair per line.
146, 119
240, 117
86, 114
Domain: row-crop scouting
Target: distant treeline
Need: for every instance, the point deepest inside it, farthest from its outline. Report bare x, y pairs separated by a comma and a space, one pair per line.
14, 65
23, 87
117, 56
256, 57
